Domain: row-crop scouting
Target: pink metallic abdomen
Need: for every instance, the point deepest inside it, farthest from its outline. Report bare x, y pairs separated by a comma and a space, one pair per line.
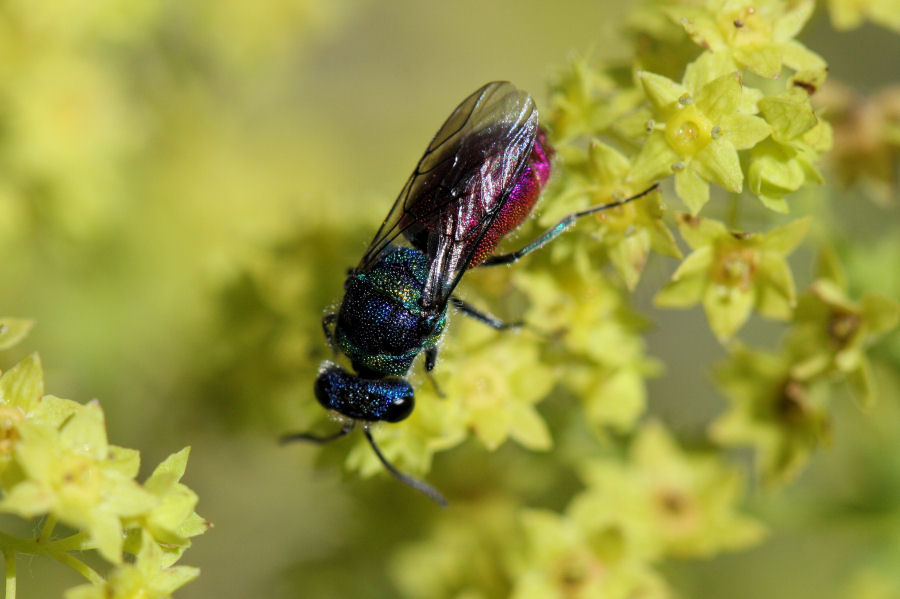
525, 193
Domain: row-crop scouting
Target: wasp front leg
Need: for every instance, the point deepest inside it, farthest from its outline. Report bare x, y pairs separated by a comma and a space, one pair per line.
327, 327
430, 361
483, 317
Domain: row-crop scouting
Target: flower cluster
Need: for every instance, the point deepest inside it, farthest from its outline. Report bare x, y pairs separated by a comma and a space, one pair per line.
707, 127
866, 137
56, 464
730, 273
849, 14
656, 502
77, 114
780, 401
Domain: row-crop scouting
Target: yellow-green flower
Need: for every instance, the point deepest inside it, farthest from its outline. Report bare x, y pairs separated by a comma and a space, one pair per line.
866, 137
786, 161
758, 35
55, 461
874, 265
563, 558
664, 501
22, 400
832, 333
660, 44
73, 474
596, 341
628, 232
172, 521
779, 415
149, 577
497, 380
693, 497
731, 273
464, 554
697, 128
848, 14
586, 101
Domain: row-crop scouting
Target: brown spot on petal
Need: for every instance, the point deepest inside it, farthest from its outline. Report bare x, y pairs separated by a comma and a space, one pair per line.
691, 221
842, 326
807, 86
792, 405
673, 502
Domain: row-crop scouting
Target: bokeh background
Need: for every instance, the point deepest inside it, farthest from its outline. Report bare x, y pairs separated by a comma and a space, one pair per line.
156, 156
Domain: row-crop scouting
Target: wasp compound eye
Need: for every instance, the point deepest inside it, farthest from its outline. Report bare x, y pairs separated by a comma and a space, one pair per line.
370, 400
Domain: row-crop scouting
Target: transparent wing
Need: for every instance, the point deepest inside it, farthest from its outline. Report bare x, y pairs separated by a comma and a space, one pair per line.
460, 184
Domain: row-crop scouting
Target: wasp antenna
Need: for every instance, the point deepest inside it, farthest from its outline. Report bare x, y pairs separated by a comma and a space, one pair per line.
602, 207
317, 439
416, 484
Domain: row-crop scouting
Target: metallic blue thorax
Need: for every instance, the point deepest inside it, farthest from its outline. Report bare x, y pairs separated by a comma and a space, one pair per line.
381, 326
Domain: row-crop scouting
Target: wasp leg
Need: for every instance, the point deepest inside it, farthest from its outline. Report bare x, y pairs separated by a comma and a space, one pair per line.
319, 440
483, 317
559, 228
430, 361
430, 358
327, 321
415, 483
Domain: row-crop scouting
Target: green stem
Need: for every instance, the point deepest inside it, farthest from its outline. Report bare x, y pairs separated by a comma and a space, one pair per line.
10, 558
76, 542
55, 550
77, 565
734, 211
49, 525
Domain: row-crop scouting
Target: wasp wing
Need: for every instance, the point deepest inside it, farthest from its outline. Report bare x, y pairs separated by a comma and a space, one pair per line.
460, 184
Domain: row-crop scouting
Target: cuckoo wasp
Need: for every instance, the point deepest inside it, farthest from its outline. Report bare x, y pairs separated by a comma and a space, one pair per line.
478, 180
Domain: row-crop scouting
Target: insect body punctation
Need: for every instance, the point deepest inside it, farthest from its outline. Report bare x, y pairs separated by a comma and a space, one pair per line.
478, 180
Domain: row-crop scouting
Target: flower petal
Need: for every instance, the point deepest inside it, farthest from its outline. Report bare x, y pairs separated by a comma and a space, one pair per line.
13, 330
727, 309
687, 284
790, 114
662, 91
800, 58
720, 97
786, 238
718, 162
655, 160
692, 189
764, 59
743, 130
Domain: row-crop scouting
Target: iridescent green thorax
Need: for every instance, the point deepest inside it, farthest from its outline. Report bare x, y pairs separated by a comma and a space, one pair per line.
381, 326
400, 275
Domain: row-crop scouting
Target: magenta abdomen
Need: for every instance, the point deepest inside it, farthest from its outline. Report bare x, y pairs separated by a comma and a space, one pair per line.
525, 193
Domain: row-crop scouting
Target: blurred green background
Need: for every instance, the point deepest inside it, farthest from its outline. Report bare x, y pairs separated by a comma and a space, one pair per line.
154, 153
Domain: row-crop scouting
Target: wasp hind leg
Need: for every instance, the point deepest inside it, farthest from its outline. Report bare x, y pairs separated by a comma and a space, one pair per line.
558, 229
